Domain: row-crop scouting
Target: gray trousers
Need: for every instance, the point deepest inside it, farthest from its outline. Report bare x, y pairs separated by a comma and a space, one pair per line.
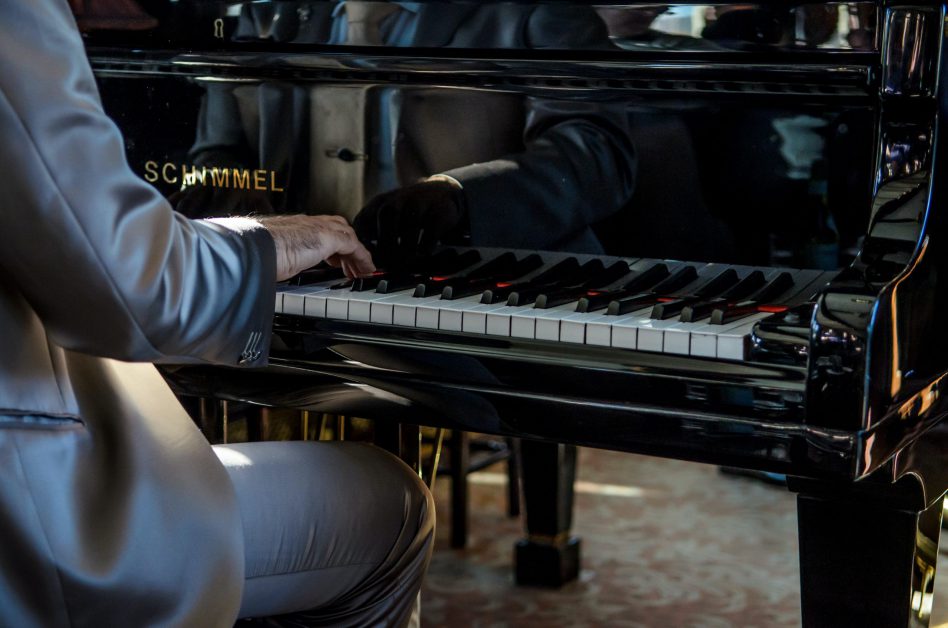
335, 533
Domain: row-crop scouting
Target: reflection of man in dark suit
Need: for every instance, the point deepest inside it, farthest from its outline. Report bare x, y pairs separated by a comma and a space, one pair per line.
542, 188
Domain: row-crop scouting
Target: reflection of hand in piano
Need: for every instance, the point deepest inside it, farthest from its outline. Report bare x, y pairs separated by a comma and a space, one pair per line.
413, 219
706, 310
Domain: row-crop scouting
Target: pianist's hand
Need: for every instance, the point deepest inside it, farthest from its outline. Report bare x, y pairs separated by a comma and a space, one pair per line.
411, 220
304, 241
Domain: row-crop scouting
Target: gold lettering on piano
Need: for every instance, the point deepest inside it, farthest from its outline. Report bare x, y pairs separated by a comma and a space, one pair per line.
189, 175
220, 177
242, 179
151, 171
165, 176
273, 182
259, 179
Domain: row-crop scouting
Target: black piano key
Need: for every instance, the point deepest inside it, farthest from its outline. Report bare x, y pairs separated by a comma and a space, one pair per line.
631, 304
529, 293
718, 284
466, 288
774, 288
470, 287
662, 291
446, 258
342, 285
397, 282
431, 264
569, 294
676, 281
758, 302
747, 286
443, 263
437, 283
561, 296
318, 274
599, 299
646, 279
712, 288
368, 282
499, 266
452, 265
502, 289
558, 271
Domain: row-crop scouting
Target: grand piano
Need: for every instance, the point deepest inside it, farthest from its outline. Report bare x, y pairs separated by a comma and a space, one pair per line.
705, 232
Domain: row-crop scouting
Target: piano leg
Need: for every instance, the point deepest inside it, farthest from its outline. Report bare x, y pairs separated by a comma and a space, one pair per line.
865, 561
402, 440
549, 556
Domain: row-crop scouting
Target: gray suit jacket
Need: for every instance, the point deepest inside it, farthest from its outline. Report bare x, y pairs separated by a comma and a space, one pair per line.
114, 510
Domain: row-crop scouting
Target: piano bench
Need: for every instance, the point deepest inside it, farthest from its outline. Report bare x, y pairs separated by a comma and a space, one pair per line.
467, 453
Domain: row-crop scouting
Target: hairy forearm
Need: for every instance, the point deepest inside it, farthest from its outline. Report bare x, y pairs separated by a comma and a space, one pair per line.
303, 241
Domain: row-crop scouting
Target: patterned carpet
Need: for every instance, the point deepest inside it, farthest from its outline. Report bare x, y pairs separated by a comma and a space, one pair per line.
665, 543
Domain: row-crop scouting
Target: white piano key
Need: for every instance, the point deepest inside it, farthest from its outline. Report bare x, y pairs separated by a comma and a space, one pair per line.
704, 339
360, 304
676, 341
548, 321
428, 311
314, 305
474, 320
651, 336
624, 329
426, 317
704, 345
731, 347
732, 343
523, 325
499, 321
450, 320
293, 299
430, 316
625, 336
573, 328
404, 308
403, 315
452, 312
337, 305
677, 337
360, 310
381, 310
598, 333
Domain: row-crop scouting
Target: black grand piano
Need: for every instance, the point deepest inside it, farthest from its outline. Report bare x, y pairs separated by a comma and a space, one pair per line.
699, 231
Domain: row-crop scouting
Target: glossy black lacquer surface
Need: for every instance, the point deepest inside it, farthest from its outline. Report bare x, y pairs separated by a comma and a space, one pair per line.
778, 135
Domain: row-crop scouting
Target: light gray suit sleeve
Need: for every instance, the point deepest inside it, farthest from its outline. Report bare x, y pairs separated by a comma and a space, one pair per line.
98, 253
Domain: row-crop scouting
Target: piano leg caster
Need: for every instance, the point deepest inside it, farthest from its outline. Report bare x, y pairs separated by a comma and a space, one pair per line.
865, 561
547, 563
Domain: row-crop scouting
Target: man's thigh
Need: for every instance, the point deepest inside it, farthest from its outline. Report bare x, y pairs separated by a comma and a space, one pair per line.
326, 523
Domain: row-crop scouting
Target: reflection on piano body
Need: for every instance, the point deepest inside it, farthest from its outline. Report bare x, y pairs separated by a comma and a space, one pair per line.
709, 232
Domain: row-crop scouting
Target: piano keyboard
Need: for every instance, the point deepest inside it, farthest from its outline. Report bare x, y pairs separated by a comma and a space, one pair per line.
705, 310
